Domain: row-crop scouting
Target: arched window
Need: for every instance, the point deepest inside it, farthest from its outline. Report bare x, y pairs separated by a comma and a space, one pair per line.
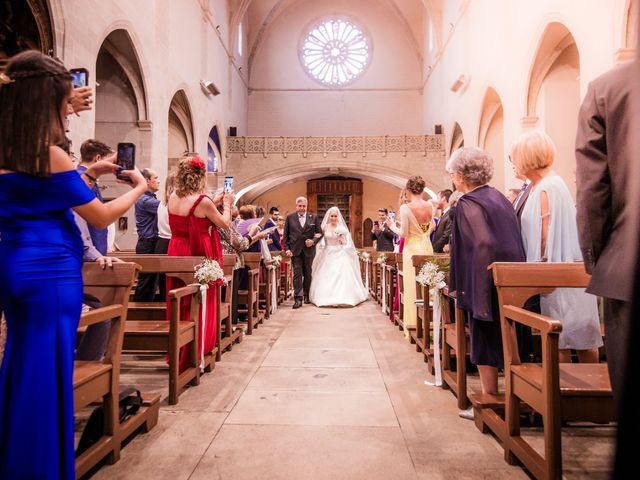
335, 52
240, 40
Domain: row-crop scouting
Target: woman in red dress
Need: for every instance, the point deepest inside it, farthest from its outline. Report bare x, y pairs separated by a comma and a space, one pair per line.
192, 214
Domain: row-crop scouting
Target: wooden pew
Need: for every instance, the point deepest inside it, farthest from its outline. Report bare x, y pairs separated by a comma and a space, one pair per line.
100, 381
557, 391
376, 278
228, 334
265, 285
251, 296
147, 329
286, 279
455, 348
399, 318
389, 279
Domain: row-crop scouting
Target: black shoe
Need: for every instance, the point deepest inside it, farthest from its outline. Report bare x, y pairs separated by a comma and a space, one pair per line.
306, 300
297, 304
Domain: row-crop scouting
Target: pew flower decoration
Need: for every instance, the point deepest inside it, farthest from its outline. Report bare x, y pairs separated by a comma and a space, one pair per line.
431, 275
382, 259
365, 255
276, 260
209, 271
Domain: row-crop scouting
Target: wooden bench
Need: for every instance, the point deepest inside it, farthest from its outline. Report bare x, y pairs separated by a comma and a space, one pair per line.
228, 333
251, 296
399, 317
376, 278
147, 328
389, 280
455, 348
286, 279
557, 391
265, 282
100, 381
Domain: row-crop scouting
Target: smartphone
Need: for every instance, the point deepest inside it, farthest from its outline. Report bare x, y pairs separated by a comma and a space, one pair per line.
79, 77
376, 223
392, 216
228, 184
126, 159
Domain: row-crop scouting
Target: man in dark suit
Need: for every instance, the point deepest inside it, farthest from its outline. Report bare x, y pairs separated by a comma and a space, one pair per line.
442, 235
606, 153
301, 233
273, 239
381, 232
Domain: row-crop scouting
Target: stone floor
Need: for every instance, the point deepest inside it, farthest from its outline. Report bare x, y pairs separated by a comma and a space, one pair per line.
324, 394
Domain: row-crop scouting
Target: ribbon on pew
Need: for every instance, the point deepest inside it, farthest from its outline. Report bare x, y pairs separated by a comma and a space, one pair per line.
437, 321
203, 321
366, 273
384, 290
274, 293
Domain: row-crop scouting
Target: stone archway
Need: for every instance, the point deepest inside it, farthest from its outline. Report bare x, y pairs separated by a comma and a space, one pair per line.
457, 138
25, 25
491, 134
553, 98
181, 138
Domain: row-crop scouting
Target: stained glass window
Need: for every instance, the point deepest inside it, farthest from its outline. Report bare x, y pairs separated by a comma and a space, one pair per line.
335, 52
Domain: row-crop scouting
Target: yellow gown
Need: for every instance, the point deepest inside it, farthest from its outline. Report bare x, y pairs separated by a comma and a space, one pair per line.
416, 242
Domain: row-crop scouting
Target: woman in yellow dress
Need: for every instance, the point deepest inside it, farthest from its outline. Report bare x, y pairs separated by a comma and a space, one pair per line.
415, 226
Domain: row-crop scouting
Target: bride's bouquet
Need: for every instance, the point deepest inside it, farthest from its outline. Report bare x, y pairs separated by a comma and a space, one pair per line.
342, 233
431, 275
209, 271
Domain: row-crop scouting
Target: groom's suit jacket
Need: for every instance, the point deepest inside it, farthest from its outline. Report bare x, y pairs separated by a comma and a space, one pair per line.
295, 235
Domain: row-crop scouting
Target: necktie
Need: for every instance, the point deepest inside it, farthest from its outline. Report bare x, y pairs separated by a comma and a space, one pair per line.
302, 219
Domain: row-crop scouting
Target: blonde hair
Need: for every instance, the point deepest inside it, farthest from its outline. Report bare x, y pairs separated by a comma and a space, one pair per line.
532, 151
189, 178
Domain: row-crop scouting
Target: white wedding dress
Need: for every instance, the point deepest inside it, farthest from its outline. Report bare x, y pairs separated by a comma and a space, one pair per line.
336, 279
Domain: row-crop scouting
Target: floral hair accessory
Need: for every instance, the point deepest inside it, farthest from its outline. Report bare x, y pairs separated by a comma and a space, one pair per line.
197, 163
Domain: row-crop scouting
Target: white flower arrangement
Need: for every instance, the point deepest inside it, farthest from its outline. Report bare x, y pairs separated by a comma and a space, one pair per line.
209, 271
276, 260
365, 255
382, 259
431, 275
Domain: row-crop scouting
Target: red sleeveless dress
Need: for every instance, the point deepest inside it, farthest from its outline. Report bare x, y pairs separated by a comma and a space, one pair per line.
195, 236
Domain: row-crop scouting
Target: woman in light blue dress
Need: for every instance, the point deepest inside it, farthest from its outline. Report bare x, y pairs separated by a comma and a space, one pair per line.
550, 234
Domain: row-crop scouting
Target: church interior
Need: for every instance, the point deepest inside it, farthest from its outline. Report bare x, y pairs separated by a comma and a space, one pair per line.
341, 102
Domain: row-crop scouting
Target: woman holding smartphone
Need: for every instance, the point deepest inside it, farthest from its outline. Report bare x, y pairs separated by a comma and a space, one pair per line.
192, 213
41, 265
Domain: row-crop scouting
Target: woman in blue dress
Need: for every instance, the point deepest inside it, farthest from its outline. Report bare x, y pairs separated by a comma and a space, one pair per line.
40, 266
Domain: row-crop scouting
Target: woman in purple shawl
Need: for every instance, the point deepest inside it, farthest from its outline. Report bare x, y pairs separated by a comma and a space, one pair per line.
485, 230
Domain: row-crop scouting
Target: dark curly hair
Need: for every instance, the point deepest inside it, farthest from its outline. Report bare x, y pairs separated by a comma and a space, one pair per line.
189, 177
415, 185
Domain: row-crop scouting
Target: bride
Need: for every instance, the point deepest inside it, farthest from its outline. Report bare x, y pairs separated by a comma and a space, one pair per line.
335, 274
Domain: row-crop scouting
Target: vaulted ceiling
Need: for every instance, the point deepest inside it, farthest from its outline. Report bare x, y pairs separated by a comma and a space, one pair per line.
258, 16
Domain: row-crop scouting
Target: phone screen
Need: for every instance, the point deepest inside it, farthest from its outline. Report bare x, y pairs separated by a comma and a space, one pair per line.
79, 77
126, 158
228, 184
392, 216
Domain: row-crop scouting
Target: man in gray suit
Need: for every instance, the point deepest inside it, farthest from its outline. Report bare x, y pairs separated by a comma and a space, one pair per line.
605, 154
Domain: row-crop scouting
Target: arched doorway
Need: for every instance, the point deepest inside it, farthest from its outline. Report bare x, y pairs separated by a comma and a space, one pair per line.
554, 95
491, 135
181, 141
121, 114
24, 25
